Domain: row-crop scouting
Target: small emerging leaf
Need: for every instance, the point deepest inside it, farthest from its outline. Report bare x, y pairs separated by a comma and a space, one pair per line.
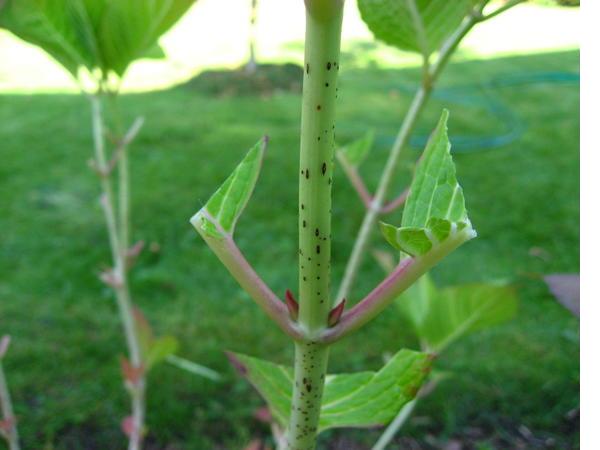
224, 208
161, 348
435, 207
336, 313
361, 399
292, 305
154, 350
357, 151
131, 374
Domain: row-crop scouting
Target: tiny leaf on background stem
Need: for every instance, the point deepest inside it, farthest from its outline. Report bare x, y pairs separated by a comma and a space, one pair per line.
414, 25
361, 399
357, 151
225, 206
435, 207
441, 316
154, 349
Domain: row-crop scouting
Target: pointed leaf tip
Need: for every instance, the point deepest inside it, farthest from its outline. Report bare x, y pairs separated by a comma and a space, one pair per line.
220, 214
292, 305
435, 207
336, 313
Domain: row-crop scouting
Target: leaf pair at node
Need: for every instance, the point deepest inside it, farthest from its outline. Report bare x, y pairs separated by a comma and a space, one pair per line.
434, 215
363, 399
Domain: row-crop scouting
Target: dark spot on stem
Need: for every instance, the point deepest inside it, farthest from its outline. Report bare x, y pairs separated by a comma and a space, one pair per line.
307, 68
307, 174
318, 107
316, 232
318, 249
304, 224
328, 66
324, 168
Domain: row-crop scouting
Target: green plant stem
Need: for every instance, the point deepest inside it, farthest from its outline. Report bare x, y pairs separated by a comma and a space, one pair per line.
120, 284
240, 269
322, 52
124, 221
12, 436
412, 116
395, 425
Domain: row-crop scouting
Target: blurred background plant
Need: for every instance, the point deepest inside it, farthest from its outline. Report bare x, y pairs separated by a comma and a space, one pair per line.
8, 424
95, 42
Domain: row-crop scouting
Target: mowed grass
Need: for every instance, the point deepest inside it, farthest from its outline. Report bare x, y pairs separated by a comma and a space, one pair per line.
63, 365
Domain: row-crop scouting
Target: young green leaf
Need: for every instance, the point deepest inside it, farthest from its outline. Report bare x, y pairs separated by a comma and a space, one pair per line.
435, 208
96, 34
361, 399
357, 151
224, 208
161, 348
414, 25
439, 317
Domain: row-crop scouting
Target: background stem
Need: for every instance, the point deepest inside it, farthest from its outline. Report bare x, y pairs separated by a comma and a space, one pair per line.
322, 52
412, 116
395, 425
12, 436
121, 287
372, 214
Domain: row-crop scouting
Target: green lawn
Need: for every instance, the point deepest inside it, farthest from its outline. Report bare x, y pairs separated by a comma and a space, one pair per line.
63, 366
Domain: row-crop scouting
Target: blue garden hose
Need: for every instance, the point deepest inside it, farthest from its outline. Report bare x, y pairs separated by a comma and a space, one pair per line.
481, 96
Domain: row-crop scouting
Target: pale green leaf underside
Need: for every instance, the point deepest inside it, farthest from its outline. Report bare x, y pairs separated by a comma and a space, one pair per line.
439, 317
357, 151
96, 34
224, 208
362, 399
435, 206
414, 25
